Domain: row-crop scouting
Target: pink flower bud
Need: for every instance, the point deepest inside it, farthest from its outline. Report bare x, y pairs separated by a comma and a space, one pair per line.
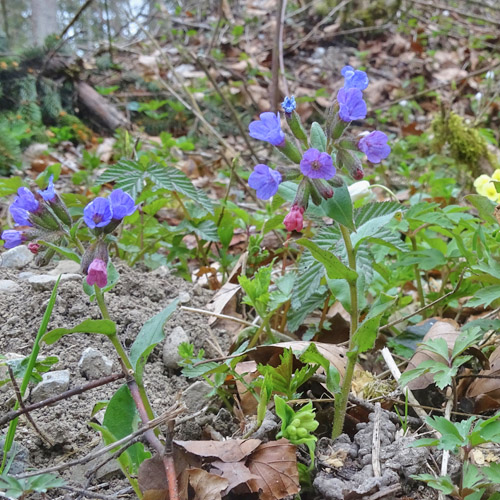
294, 221
33, 247
358, 174
97, 273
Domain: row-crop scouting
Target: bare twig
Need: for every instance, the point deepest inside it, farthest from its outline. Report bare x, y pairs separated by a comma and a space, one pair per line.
168, 415
216, 315
377, 472
446, 453
418, 311
21, 404
275, 68
11, 415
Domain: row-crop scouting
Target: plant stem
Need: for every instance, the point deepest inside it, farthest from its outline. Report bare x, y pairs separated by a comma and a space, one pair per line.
418, 278
352, 356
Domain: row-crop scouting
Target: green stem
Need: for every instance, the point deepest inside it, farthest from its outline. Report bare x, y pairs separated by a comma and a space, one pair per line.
418, 278
121, 352
352, 356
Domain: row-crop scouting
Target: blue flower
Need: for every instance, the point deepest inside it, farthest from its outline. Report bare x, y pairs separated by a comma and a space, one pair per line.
265, 181
122, 204
354, 79
289, 104
12, 238
26, 200
49, 193
375, 146
98, 213
352, 106
268, 129
20, 216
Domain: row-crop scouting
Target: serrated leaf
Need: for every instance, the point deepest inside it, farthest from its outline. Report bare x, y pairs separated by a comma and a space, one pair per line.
173, 179
450, 435
485, 296
339, 207
205, 229
150, 335
364, 337
335, 269
127, 175
318, 137
297, 315
102, 326
373, 210
371, 228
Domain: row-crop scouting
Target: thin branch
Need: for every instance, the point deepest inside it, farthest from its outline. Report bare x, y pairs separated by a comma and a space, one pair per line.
11, 415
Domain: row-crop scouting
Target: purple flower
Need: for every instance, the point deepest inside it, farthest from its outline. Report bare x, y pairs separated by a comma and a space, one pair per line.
289, 104
316, 165
375, 146
354, 79
12, 238
122, 204
352, 106
20, 216
97, 213
265, 180
97, 273
49, 193
268, 129
26, 200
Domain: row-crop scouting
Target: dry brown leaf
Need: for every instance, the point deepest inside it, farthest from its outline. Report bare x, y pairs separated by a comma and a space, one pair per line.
275, 463
235, 472
221, 299
486, 391
450, 74
232, 450
248, 403
206, 486
444, 328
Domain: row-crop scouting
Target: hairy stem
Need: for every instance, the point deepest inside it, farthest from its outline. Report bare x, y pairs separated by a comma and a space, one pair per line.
352, 356
418, 278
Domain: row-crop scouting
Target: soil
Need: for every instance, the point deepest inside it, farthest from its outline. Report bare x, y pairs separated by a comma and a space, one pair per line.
136, 298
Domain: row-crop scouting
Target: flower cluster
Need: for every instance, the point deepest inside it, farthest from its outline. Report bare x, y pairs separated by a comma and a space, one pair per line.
42, 216
486, 187
320, 155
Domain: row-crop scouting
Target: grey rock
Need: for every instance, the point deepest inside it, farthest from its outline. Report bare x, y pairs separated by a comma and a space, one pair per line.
52, 384
16, 258
194, 396
184, 298
9, 286
93, 364
21, 457
25, 275
65, 267
171, 357
43, 282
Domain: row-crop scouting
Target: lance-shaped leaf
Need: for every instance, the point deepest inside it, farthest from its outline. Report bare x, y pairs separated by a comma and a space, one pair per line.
102, 326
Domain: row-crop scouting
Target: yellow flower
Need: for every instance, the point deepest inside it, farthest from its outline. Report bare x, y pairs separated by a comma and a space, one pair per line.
481, 181
490, 192
496, 175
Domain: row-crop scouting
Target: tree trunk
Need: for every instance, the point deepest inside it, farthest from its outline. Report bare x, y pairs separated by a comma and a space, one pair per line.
44, 19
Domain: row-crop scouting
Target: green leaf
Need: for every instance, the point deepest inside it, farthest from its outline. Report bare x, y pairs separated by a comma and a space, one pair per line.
438, 346
484, 206
205, 230
485, 296
225, 229
102, 326
284, 412
492, 472
364, 337
443, 483
129, 176
150, 335
173, 179
450, 435
297, 315
121, 419
371, 228
418, 443
10, 185
374, 210
339, 207
318, 137
334, 267
427, 259
66, 252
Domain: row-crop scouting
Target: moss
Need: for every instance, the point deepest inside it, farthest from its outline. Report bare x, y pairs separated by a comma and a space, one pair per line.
465, 144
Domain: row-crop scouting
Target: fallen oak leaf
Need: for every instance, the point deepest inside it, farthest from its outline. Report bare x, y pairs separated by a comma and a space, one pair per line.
235, 472
231, 450
275, 463
206, 486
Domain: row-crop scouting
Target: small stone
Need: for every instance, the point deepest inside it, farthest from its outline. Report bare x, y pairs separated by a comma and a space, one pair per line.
171, 356
195, 396
19, 454
65, 267
184, 298
25, 275
16, 258
93, 364
9, 286
52, 384
44, 282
